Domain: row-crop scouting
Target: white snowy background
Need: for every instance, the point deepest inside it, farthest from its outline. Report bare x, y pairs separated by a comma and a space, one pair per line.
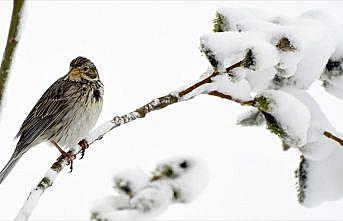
144, 50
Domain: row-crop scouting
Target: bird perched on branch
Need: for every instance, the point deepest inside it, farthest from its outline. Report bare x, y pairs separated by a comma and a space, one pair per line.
64, 115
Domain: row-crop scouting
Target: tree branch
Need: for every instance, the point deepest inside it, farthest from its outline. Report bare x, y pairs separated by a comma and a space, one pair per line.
103, 129
47, 181
333, 137
12, 41
209, 78
229, 97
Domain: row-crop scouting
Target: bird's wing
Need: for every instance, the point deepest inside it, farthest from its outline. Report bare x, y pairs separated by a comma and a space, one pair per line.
49, 109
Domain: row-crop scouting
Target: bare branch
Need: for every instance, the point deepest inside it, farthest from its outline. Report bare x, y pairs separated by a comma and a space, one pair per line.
333, 137
229, 97
209, 78
12, 41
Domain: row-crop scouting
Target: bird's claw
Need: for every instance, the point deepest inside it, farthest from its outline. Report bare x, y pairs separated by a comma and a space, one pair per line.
84, 145
69, 156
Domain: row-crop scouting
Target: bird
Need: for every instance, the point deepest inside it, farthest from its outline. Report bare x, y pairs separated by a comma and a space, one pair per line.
64, 115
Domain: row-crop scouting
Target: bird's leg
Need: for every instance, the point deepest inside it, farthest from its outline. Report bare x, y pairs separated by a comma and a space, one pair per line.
69, 156
84, 145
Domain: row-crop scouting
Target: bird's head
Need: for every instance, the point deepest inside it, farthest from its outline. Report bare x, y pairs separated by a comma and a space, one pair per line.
83, 68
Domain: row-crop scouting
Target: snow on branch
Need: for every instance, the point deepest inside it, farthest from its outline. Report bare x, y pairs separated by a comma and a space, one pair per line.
204, 86
12, 41
97, 134
308, 47
258, 60
175, 180
307, 44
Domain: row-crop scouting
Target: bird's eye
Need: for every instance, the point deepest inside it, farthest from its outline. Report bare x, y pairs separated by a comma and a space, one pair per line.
91, 74
85, 69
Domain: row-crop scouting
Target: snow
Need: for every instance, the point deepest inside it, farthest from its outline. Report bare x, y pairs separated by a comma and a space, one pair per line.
51, 174
323, 156
105, 205
227, 47
285, 108
252, 117
314, 37
24, 213
131, 180
153, 199
318, 147
102, 129
333, 89
324, 179
178, 179
289, 63
319, 150
314, 61
234, 15
239, 89
260, 80
332, 77
189, 176
333, 23
230, 47
126, 147
313, 42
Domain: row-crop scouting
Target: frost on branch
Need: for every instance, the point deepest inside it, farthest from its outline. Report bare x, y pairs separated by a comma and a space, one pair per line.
176, 180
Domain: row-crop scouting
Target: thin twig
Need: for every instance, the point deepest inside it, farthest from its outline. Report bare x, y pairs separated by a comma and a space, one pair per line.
198, 84
12, 41
333, 137
229, 97
209, 78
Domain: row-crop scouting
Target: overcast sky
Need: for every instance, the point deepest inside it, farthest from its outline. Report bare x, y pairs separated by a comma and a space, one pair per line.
144, 50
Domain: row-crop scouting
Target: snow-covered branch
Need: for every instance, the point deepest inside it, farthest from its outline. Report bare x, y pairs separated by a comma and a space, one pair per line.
203, 86
12, 41
266, 62
140, 197
97, 134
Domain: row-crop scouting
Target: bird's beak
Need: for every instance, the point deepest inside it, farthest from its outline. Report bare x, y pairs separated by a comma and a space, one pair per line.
75, 74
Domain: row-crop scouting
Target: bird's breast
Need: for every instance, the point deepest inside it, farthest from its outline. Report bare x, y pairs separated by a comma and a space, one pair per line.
82, 118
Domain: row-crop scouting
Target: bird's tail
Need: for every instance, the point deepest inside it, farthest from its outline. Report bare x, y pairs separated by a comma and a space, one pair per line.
9, 166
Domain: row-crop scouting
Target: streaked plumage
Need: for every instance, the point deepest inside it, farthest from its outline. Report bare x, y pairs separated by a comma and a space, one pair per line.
65, 113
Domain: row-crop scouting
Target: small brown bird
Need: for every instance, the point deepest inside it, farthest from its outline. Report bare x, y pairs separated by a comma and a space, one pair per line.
64, 115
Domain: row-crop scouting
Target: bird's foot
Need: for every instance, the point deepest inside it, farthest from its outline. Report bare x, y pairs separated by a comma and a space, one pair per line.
84, 145
69, 156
